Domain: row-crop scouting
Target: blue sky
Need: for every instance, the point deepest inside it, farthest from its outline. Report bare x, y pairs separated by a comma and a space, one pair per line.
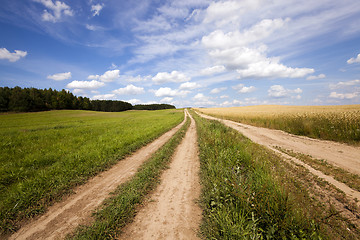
187, 53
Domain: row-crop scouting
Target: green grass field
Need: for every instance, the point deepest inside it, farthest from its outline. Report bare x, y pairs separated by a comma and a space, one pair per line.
44, 155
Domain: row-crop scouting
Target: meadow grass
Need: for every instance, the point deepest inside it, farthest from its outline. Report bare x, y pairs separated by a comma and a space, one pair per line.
46, 154
248, 192
336, 123
120, 209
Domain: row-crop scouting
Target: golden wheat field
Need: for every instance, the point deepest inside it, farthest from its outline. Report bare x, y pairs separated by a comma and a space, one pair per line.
338, 123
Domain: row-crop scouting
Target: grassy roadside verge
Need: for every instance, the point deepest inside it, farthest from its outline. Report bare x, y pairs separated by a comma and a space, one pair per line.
120, 209
250, 193
45, 155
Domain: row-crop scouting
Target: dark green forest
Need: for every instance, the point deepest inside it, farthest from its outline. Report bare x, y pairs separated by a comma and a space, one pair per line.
152, 106
19, 99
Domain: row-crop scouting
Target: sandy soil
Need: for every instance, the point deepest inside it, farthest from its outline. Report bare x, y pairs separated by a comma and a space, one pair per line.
172, 212
341, 155
63, 217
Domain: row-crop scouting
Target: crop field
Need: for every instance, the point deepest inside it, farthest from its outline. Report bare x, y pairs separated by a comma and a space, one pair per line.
44, 155
336, 123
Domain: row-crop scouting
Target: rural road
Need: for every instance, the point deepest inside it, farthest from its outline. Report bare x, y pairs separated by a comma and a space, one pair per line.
63, 217
341, 155
172, 212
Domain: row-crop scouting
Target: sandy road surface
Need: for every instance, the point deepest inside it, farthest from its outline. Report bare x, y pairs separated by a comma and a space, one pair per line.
63, 217
172, 212
341, 155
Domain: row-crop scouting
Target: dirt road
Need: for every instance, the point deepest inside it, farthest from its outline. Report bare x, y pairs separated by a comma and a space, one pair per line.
341, 155
63, 217
172, 212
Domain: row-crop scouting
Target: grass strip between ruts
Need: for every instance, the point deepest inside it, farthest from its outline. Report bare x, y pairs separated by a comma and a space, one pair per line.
120, 209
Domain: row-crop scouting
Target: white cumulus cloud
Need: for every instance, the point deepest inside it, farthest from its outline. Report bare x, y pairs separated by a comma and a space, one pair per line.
168, 92
224, 13
217, 90
278, 91
174, 76
243, 89
343, 95
12, 57
201, 100
58, 10
60, 76
134, 101
354, 60
85, 84
238, 57
93, 77
95, 28
297, 90
345, 84
272, 69
220, 40
320, 76
96, 9
108, 76
245, 53
189, 86
129, 90
212, 70
78, 91
134, 79
200, 96
108, 96
167, 100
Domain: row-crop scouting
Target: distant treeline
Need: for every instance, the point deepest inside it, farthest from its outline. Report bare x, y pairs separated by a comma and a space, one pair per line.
153, 106
19, 99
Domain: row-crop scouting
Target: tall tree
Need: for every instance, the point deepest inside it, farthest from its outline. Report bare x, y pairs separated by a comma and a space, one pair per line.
19, 100
5, 94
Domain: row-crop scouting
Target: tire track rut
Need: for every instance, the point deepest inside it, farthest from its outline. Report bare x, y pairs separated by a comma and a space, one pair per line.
172, 212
